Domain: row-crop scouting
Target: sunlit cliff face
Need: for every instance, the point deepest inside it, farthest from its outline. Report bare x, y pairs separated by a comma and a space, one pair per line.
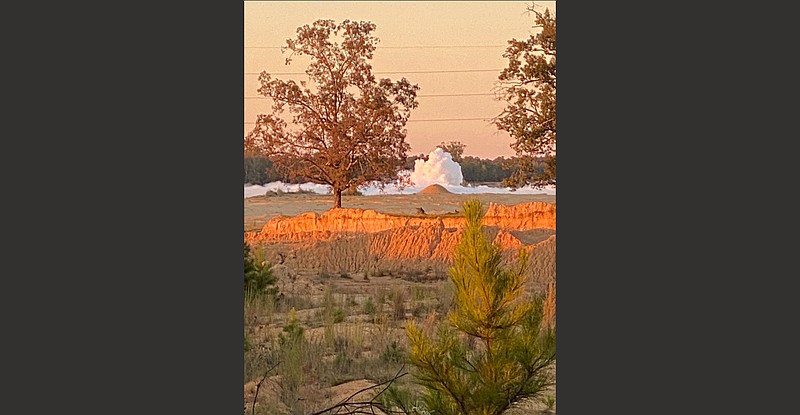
409, 237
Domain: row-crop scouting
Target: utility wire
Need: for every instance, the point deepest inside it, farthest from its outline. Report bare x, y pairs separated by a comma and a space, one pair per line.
418, 96
385, 72
429, 120
404, 47
453, 119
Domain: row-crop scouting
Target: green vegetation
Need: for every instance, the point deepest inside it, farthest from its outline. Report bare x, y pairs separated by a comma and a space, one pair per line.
369, 306
475, 330
262, 170
394, 353
258, 277
484, 170
493, 350
292, 344
529, 89
478, 170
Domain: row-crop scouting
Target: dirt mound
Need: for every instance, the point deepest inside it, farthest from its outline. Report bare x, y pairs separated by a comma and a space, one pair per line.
347, 390
434, 189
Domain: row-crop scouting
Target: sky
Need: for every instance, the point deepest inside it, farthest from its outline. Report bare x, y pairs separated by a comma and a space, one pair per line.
399, 25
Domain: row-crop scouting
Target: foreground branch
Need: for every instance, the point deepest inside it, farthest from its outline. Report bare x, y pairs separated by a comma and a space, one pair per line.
258, 385
362, 407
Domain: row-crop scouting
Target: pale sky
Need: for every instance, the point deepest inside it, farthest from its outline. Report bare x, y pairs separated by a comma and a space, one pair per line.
267, 25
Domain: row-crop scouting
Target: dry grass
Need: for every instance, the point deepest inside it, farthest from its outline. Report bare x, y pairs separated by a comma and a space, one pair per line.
349, 257
363, 345
549, 318
542, 264
353, 304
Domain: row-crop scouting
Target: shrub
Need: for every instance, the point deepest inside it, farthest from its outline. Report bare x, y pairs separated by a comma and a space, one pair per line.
399, 303
338, 315
369, 306
340, 344
393, 353
257, 276
493, 351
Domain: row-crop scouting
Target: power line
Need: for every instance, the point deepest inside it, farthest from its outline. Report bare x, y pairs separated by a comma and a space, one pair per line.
439, 119
405, 47
455, 95
442, 47
453, 119
385, 72
418, 96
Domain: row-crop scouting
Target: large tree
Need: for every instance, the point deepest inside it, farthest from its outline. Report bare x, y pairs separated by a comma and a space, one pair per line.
455, 148
350, 129
529, 88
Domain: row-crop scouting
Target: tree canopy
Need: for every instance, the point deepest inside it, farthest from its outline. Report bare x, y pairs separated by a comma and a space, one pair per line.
529, 88
455, 148
348, 130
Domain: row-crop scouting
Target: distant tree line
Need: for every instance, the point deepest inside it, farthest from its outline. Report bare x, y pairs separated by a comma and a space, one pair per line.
258, 170
475, 169
261, 170
484, 170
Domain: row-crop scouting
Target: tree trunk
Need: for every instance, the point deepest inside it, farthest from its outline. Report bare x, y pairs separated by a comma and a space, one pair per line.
337, 197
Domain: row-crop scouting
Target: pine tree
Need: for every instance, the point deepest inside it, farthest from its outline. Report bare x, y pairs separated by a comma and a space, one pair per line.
257, 276
493, 351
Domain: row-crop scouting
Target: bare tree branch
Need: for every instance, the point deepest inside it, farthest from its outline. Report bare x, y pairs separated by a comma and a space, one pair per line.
258, 385
362, 405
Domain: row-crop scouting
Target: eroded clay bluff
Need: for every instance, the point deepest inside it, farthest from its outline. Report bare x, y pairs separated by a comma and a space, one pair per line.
437, 242
407, 236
